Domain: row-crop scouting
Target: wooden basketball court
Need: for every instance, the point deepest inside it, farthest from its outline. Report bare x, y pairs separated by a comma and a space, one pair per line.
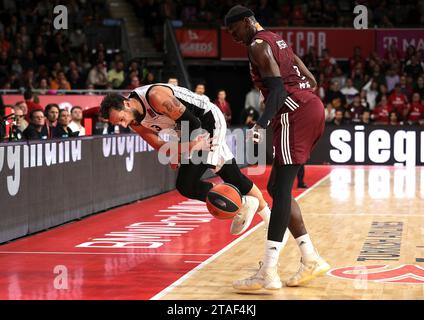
367, 222
370, 219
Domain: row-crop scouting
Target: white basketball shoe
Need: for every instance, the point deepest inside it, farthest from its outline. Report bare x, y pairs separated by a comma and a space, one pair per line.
244, 217
265, 278
308, 271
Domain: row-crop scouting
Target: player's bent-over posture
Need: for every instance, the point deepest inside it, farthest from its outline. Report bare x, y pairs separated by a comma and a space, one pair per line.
155, 108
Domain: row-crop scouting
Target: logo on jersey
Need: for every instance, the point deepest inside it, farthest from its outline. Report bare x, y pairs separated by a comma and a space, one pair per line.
407, 273
157, 128
281, 44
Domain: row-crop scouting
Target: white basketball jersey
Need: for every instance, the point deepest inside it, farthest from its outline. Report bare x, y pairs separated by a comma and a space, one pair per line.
156, 121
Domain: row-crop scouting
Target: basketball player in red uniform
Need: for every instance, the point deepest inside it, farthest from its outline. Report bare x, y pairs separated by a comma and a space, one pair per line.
296, 116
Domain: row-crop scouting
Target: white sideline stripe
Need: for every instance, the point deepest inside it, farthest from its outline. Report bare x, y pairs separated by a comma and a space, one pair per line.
103, 253
223, 250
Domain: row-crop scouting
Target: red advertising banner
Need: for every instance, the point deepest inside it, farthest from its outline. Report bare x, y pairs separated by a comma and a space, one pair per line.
340, 42
198, 43
402, 39
84, 101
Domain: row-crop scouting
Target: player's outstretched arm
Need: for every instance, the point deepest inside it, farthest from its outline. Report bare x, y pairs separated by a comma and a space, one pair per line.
262, 57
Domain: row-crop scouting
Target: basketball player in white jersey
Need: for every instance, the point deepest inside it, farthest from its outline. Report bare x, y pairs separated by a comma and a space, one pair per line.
150, 109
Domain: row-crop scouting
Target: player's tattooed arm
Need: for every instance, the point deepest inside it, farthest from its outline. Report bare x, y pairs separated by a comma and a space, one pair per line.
304, 70
164, 101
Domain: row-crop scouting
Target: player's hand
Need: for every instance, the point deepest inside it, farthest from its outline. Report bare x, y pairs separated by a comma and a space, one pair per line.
201, 142
255, 134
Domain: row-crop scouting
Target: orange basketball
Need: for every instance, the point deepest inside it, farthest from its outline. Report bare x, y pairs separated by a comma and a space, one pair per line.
223, 201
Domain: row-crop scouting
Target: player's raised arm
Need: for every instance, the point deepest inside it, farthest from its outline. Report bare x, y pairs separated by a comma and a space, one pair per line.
261, 56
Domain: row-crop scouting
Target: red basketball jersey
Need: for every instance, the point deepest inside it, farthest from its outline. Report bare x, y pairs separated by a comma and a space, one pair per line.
293, 80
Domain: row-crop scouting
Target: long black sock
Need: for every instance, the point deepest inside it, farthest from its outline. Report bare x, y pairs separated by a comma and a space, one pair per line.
282, 188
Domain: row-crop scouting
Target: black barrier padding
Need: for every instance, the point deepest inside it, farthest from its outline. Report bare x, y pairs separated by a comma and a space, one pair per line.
50, 195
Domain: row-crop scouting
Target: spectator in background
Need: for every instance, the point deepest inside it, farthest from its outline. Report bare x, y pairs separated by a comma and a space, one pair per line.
24, 107
371, 92
356, 109
366, 117
338, 118
52, 114
416, 109
43, 86
36, 129
98, 76
335, 96
116, 75
60, 82
75, 80
76, 125
62, 130
224, 106
413, 68
419, 85
405, 88
19, 124
253, 100
173, 81
393, 118
363, 98
29, 100
398, 101
349, 91
327, 60
150, 79
356, 58
381, 112
200, 89
378, 76
392, 78
339, 77
358, 77
135, 83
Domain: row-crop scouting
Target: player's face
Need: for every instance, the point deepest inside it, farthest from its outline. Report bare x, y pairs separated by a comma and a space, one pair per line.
238, 32
121, 117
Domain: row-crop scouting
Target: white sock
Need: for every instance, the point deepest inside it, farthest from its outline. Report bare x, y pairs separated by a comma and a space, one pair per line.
265, 214
272, 253
307, 248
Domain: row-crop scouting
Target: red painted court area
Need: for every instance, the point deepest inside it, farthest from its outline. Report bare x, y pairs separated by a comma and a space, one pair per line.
131, 252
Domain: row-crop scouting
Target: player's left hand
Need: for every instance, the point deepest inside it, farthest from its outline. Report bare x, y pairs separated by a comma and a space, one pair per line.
201, 142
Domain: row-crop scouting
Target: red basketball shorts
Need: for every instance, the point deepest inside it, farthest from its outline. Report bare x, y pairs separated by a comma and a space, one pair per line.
298, 128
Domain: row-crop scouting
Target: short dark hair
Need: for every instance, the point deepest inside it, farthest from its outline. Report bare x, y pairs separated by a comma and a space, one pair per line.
111, 101
28, 94
49, 107
237, 13
31, 114
76, 107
